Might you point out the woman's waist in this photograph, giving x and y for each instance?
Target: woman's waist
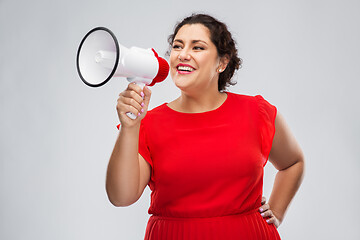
(245, 225)
(205, 218)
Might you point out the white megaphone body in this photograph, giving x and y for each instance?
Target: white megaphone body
(100, 57)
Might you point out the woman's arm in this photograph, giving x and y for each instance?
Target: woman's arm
(128, 173)
(287, 157)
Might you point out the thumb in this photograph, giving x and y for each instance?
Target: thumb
(147, 96)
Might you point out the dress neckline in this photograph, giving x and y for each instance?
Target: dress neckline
(200, 113)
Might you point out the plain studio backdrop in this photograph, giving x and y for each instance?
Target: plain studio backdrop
(57, 134)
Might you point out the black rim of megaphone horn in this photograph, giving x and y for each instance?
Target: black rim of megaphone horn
(116, 61)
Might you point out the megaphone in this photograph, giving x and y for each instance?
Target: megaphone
(100, 57)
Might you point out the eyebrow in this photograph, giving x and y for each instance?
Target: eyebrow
(193, 41)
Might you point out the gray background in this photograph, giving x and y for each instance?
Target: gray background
(57, 134)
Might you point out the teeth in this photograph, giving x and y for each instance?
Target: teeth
(185, 68)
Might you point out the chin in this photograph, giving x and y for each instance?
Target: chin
(179, 84)
(184, 82)
(188, 88)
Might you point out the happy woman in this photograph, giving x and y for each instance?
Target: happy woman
(203, 154)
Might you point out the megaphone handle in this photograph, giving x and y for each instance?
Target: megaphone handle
(130, 114)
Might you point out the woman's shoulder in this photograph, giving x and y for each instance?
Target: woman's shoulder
(243, 97)
(240, 96)
(252, 101)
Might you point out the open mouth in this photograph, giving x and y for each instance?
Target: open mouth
(185, 69)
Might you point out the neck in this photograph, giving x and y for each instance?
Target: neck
(200, 102)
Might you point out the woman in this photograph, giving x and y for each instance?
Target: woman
(203, 154)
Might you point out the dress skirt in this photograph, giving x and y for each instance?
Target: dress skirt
(246, 226)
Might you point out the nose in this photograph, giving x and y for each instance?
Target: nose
(184, 55)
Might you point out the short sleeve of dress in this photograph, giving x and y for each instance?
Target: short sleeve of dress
(143, 144)
(267, 114)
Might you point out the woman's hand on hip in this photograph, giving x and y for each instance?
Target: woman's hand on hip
(267, 214)
(134, 100)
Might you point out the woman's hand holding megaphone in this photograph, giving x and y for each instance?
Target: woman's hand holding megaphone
(134, 100)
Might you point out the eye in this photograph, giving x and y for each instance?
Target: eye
(198, 48)
(175, 46)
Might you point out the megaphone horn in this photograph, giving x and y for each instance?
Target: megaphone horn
(100, 57)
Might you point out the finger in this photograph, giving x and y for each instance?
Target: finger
(263, 200)
(273, 220)
(267, 213)
(147, 96)
(134, 87)
(124, 108)
(131, 102)
(132, 94)
(264, 208)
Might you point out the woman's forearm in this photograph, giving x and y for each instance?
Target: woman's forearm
(123, 174)
(287, 182)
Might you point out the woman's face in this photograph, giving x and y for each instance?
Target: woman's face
(194, 60)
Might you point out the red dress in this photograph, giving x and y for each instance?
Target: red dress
(207, 170)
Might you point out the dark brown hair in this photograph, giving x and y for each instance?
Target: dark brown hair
(222, 39)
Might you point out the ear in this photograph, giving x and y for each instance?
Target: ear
(224, 61)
